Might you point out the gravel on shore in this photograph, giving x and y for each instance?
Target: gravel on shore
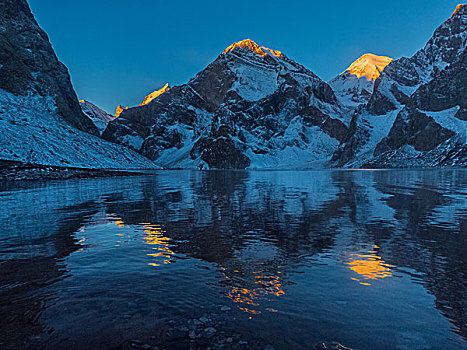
(19, 171)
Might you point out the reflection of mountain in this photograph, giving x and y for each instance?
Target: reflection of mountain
(26, 274)
(259, 228)
(222, 216)
(432, 237)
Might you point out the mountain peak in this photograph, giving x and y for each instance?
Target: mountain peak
(461, 9)
(155, 94)
(369, 66)
(250, 45)
(119, 110)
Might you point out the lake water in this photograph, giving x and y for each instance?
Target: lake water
(236, 260)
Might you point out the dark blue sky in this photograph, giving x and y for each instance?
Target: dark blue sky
(118, 51)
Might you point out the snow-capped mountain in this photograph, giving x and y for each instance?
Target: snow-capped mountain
(252, 107)
(355, 85)
(402, 78)
(416, 115)
(40, 118)
(99, 117)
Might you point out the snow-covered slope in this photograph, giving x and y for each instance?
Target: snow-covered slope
(97, 115)
(251, 108)
(31, 131)
(355, 85)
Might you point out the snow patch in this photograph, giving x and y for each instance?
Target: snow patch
(253, 84)
(447, 120)
(99, 118)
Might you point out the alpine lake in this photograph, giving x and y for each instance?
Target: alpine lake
(236, 260)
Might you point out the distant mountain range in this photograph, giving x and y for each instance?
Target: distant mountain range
(252, 107)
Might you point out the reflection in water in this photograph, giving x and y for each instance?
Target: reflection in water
(154, 236)
(248, 299)
(272, 248)
(119, 222)
(369, 266)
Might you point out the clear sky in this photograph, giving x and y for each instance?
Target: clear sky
(118, 51)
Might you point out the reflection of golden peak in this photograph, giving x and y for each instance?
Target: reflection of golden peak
(369, 66)
(249, 298)
(370, 266)
(119, 111)
(250, 44)
(155, 94)
(155, 236)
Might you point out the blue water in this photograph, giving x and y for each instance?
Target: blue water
(231, 259)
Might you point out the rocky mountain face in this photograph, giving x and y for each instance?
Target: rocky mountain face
(354, 86)
(416, 115)
(98, 117)
(41, 120)
(251, 108)
(28, 64)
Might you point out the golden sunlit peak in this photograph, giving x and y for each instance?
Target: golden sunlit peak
(254, 47)
(81, 101)
(369, 66)
(155, 94)
(458, 8)
(119, 111)
(248, 43)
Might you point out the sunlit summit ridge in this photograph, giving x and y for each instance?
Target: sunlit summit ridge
(155, 94)
(369, 66)
(254, 47)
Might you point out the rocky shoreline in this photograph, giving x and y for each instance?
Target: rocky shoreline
(19, 171)
(208, 332)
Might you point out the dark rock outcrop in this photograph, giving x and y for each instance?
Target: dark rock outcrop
(415, 129)
(448, 89)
